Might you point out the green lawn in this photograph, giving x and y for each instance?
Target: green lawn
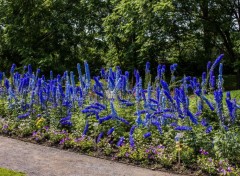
(7, 172)
(234, 94)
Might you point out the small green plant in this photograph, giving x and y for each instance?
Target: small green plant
(7, 172)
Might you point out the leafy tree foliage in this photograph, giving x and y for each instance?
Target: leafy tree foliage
(50, 33)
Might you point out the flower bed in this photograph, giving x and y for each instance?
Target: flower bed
(186, 124)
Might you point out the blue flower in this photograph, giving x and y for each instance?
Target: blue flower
(51, 75)
(80, 74)
(98, 83)
(167, 115)
(23, 116)
(12, 69)
(147, 135)
(174, 124)
(103, 74)
(123, 120)
(204, 122)
(192, 118)
(7, 84)
(132, 129)
(127, 74)
(173, 68)
(163, 69)
(101, 120)
(228, 95)
(209, 65)
(86, 128)
(87, 71)
(216, 62)
(204, 77)
(99, 137)
(120, 142)
(147, 70)
(209, 129)
(100, 105)
(110, 131)
(212, 80)
(165, 86)
(29, 69)
(183, 128)
(208, 103)
(66, 121)
(159, 74)
(158, 125)
(125, 102)
(131, 141)
(1, 76)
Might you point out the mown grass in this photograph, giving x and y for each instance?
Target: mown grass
(7, 172)
(234, 94)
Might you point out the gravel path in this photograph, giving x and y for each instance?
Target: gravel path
(36, 160)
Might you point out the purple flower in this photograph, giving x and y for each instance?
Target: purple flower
(229, 169)
(62, 141)
(203, 152)
(5, 126)
(34, 133)
(79, 139)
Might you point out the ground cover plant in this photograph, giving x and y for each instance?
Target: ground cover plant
(7, 172)
(161, 122)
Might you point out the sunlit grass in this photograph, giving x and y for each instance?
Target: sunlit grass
(7, 172)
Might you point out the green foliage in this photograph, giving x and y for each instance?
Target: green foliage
(126, 33)
(226, 145)
(7, 172)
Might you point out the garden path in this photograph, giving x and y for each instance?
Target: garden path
(36, 160)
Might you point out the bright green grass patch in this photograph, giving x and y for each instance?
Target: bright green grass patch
(7, 172)
(234, 94)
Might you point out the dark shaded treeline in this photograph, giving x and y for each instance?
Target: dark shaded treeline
(56, 35)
